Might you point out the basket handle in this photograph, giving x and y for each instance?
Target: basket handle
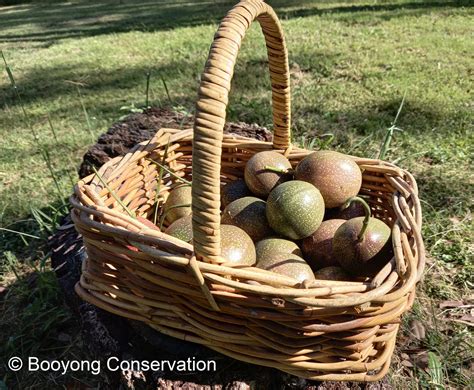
(211, 112)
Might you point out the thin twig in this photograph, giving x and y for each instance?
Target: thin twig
(147, 89)
(17, 94)
(170, 172)
(277, 170)
(71, 179)
(160, 178)
(86, 114)
(166, 89)
(47, 159)
(43, 151)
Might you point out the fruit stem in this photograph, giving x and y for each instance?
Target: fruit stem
(368, 213)
(276, 169)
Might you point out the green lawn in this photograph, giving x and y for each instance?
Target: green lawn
(83, 65)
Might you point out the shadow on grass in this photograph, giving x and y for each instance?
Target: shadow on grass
(58, 81)
(250, 97)
(448, 193)
(63, 80)
(36, 227)
(387, 10)
(415, 117)
(84, 18)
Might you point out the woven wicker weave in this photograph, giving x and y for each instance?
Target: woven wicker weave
(329, 330)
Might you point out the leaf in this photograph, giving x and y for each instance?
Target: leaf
(435, 370)
(407, 363)
(406, 360)
(455, 220)
(420, 360)
(418, 330)
(445, 304)
(468, 318)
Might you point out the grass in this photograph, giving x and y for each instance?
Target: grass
(77, 64)
(43, 327)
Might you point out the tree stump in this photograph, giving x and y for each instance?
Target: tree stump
(106, 335)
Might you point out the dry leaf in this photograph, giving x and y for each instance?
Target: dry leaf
(467, 318)
(418, 329)
(407, 363)
(455, 220)
(420, 360)
(446, 304)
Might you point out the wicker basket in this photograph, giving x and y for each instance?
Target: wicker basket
(328, 330)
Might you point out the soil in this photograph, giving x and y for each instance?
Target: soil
(105, 335)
